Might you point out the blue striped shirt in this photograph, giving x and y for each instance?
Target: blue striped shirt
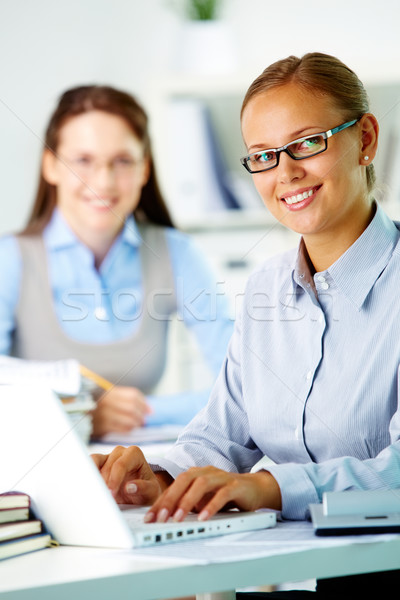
(311, 376)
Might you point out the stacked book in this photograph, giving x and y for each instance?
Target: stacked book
(20, 532)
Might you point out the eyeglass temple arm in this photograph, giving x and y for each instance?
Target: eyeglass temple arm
(340, 127)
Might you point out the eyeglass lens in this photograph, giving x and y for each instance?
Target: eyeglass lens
(303, 148)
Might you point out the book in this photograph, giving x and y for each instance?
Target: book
(8, 515)
(14, 506)
(14, 500)
(10, 531)
(24, 545)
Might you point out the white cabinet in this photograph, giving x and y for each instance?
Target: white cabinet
(184, 113)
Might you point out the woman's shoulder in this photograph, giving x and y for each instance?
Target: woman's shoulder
(175, 236)
(10, 257)
(9, 246)
(279, 265)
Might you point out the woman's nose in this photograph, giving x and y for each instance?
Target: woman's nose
(103, 176)
(289, 169)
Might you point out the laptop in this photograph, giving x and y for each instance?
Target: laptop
(357, 512)
(42, 456)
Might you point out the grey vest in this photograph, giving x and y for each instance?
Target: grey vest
(137, 360)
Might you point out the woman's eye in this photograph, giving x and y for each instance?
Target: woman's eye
(310, 143)
(83, 160)
(124, 161)
(263, 157)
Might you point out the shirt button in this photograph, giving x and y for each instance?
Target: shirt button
(297, 433)
(321, 319)
(309, 375)
(325, 286)
(100, 313)
(321, 278)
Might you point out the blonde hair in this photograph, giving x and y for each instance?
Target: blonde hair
(323, 74)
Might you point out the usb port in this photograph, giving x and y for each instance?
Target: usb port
(190, 531)
(201, 530)
(158, 538)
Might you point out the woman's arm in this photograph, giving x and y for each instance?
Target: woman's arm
(10, 279)
(202, 301)
(302, 485)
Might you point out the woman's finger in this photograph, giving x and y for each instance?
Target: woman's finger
(208, 485)
(139, 492)
(99, 459)
(168, 502)
(188, 490)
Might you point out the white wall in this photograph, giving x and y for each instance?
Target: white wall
(47, 46)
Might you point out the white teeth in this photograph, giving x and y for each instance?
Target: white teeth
(299, 197)
(101, 202)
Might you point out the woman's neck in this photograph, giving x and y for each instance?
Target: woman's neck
(99, 246)
(98, 242)
(324, 250)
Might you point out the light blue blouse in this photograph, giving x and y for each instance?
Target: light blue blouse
(311, 377)
(100, 306)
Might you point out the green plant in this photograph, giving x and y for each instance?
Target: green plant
(197, 10)
(202, 10)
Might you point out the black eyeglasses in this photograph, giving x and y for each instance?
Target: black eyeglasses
(304, 147)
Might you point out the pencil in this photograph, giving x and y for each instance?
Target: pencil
(98, 379)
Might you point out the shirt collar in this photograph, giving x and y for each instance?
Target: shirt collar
(356, 271)
(58, 233)
(302, 275)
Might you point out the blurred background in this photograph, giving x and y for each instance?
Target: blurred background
(148, 48)
(191, 77)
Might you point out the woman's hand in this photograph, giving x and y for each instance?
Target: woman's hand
(208, 490)
(119, 409)
(129, 477)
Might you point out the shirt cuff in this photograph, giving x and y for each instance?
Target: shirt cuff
(163, 464)
(297, 490)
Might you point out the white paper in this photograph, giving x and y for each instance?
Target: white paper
(144, 435)
(62, 376)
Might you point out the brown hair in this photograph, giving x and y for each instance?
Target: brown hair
(74, 102)
(320, 73)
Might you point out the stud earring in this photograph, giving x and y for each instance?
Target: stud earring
(366, 157)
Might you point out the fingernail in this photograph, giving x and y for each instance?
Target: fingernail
(178, 515)
(203, 516)
(131, 488)
(148, 517)
(162, 515)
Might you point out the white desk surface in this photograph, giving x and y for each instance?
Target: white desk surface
(75, 573)
(72, 572)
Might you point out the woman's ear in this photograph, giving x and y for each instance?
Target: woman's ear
(49, 167)
(369, 138)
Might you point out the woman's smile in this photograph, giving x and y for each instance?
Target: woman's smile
(300, 198)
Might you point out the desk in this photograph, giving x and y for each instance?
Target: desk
(84, 573)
